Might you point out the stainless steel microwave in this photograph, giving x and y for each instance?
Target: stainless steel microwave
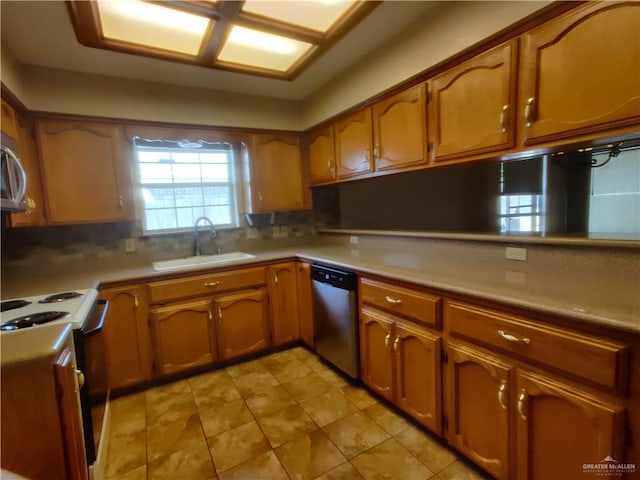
(14, 179)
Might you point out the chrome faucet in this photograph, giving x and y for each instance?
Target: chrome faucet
(196, 251)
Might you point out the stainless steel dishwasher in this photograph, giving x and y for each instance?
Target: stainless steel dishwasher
(336, 321)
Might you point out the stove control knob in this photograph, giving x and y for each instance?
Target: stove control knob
(80, 378)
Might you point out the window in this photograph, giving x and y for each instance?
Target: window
(181, 184)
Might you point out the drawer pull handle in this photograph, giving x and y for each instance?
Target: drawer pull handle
(395, 344)
(393, 301)
(521, 405)
(211, 284)
(501, 393)
(510, 338)
(386, 340)
(80, 376)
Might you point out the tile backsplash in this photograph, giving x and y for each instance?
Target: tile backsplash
(72, 243)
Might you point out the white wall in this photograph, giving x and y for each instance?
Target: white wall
(444, 30)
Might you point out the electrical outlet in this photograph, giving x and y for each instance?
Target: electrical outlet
(513, 253)
(252, 233)
(353, 240)
(284, 231)
(129, 245)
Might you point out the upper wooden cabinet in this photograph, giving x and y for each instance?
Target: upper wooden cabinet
(471, 106)
(320, 155)
(8, 120)
(580, 73)
(275, 175)
(283, 297)
(400, 130)
(127, 336)
(85, 170)
(353, 146)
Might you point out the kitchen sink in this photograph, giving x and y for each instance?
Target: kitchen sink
(201, 260)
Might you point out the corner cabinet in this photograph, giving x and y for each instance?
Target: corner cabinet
(580, 73)
(127, 336)
(283, 298)
(86, 172)
(471, 106)
(275, 178)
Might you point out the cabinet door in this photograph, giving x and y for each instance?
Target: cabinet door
(65, 375)
(376, 361)
(471, 106)
(305, 304)
(560, 428)
(322, 162)
(478, 399)
(85, 172)
(283, 294)
(353, 144)
(8, 120)
(183, 336)
(400, 130)
(276, 174)
(28, 153)
(418, 376)
(580, 72)
(127, 336)
(242, 323)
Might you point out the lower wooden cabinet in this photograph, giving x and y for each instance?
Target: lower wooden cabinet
(183, 336)
(305, 303)
(242, 322)
(283, 297)
(478, 394)
(127, 336)
(557, 428)
(401, 362)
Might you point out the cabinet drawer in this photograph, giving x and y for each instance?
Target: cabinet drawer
(417, 305)
(168, 290)
(595, 359)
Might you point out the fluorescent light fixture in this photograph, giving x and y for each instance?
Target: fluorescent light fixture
(264, 50)
(318, 15)
(152, 25)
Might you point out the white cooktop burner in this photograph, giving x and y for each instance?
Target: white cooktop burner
(79, 307)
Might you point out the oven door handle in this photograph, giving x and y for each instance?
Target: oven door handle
(96, 325)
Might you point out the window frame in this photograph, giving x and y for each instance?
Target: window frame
(174, 146)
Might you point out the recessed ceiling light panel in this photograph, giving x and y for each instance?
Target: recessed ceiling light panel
(246, 46)
(317, 15)
(152, 25)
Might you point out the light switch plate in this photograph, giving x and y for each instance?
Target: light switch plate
(353, 240)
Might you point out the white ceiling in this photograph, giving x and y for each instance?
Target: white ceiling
(39, 33)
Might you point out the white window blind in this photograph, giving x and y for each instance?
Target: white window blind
(181, 184)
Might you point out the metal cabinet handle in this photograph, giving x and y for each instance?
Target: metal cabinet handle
(275, 278)
(80, 376)
(219, 314)
(386, 340)
(510, 338)
(367, 155)
(522, 408)
(260, 196)
(212, 284)
(121, 202)
(396, 342)
(31, 205)
(210, 315)
(528, 111)
(329, 163)
(503, 118)
(393, 301)
(376, 152)
(501, 392)
(136, 303)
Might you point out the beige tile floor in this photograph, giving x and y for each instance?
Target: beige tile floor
(283, 416)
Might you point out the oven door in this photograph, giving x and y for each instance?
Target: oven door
(94, 394)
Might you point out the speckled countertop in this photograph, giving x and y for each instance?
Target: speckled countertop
(21, 347)
(579, 291)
